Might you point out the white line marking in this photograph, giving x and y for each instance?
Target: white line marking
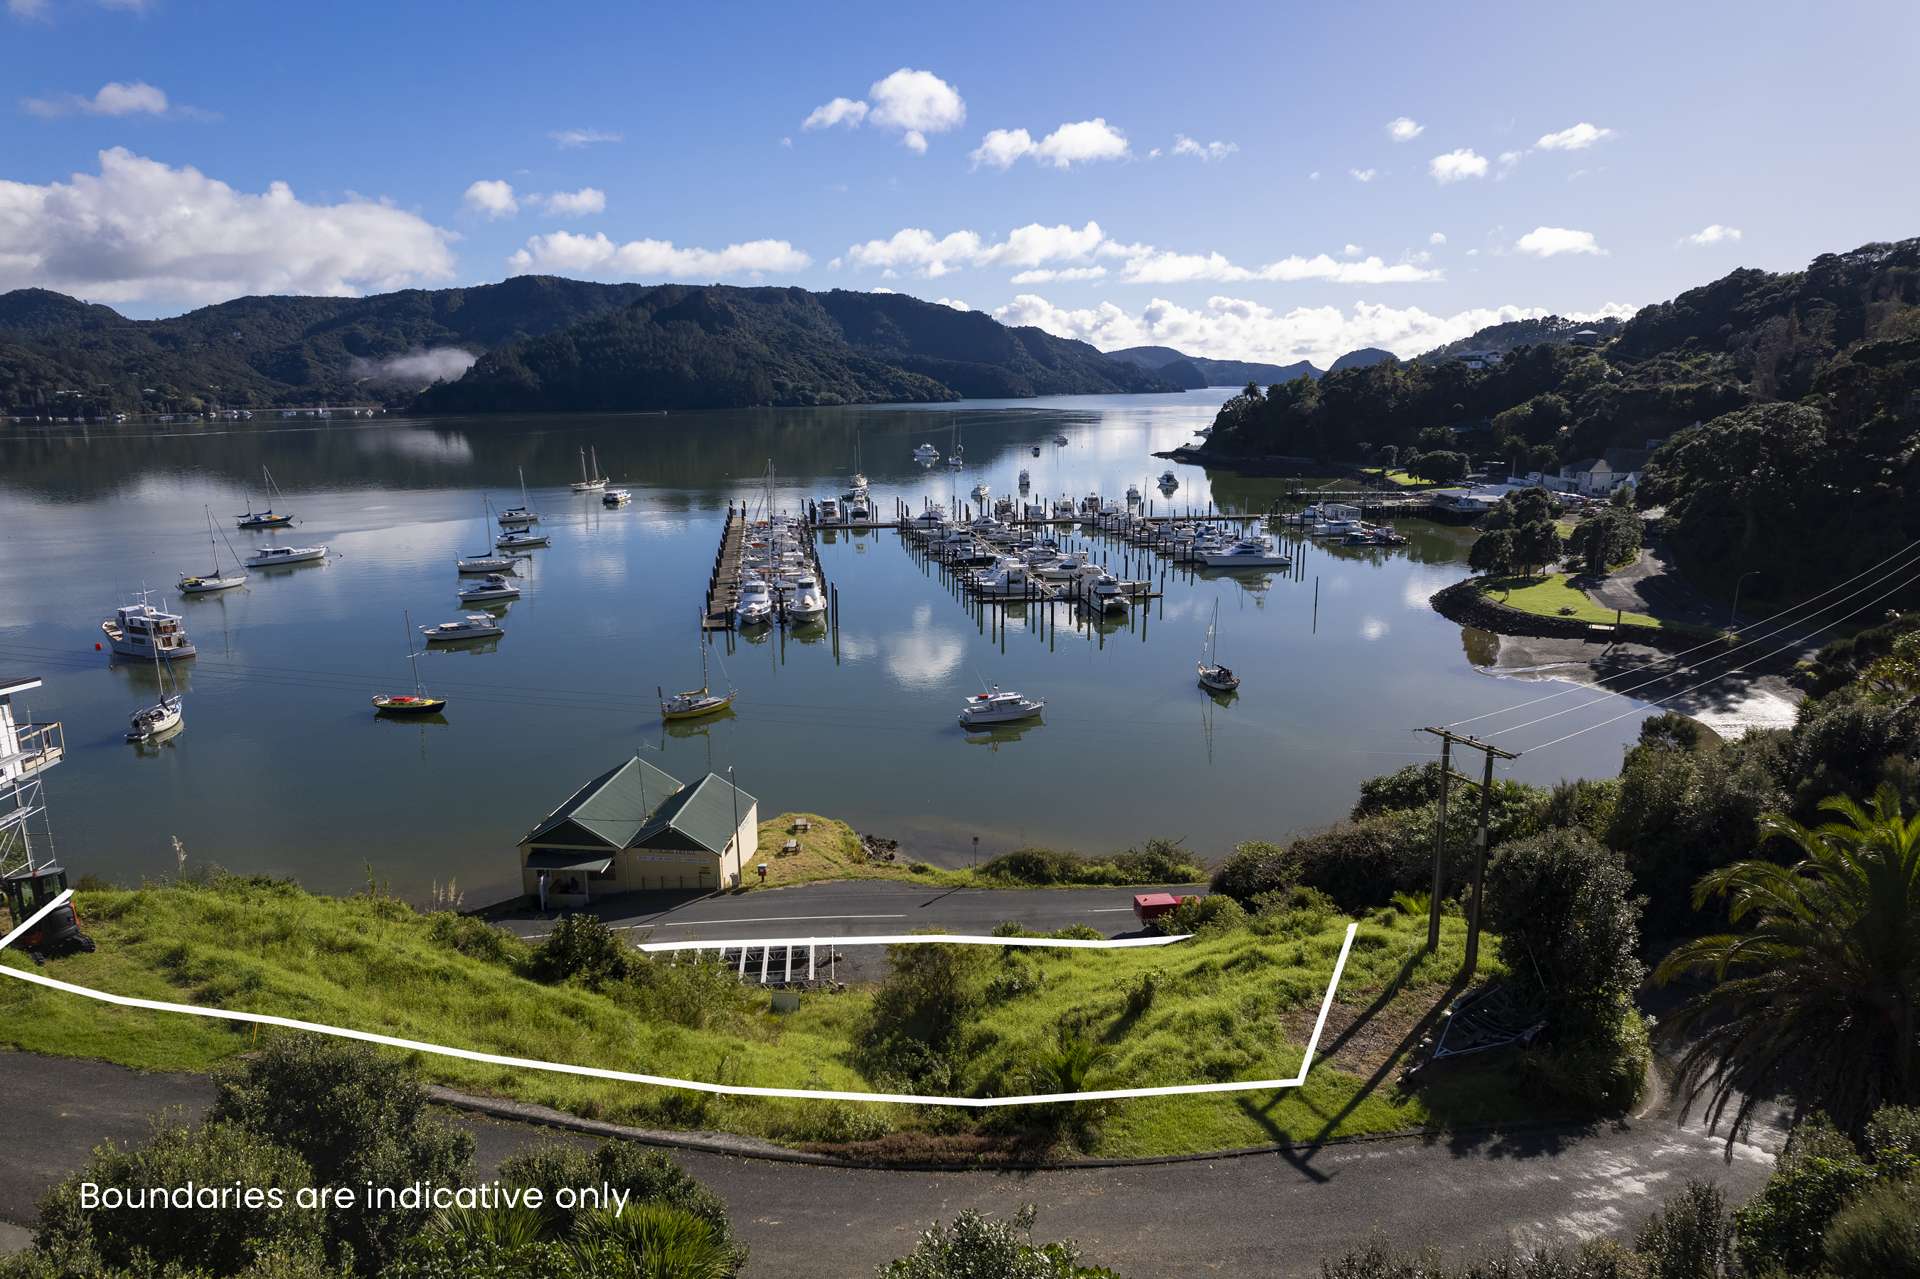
(915, 939)
(691, 1085)
(1106, 910)
(762, 919)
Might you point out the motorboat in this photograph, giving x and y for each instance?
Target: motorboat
(1009, 579)
(213, 579)
(143, 631)
(280, 556)
(829, 511)
(491, 587)
(265, 517)
(515, 539)
(1036, 450)
(1099, 590)
(804, 601)
(1214, 677)
(755, 605)
(419, 701)
(1246, 552)
(522, 515)
(1169, 481)
(1133, 494)
(926, 455)
(1064, 569)
(616, 497)
(982, 491)
(1026, 481)
(470, 627)
(590, 481)
(997, 707)
(1060, 439)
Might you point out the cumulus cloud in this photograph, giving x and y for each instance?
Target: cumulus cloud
(1715, 234)
(567, 252)
(111, 99)
(1456, 166)
(847, 111)
(1574, 138)
(1235, 328)
(1161, 266)
(1044, 275)
(1207, 151)
(140, 229)
(955, 303)
(1353, 250)
(1437, 238)
(1403, 129)
(423, 367)
(574, 138)
(575, 204)
(1361, 175)
(911, 103)
(1551, 241)
(492, 198)
(1078, 143)
(918, 250)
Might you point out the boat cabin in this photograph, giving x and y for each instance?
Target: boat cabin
(636, 828)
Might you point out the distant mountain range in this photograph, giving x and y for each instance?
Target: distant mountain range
(1190, 371)
(535, 342)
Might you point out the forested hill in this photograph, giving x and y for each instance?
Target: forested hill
(547, 343)
(1784, 410)
(1196, 371)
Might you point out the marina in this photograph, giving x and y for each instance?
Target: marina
(849, 713)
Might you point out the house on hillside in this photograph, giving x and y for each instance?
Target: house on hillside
(637, 827)
(1478, 359)
(1600, 476)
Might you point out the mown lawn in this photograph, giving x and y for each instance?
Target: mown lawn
(831, 850)
(1548, 595)
(1237, 1004)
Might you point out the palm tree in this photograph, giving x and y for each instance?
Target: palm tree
(1820, 997)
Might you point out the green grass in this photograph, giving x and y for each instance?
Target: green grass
(1401, 479)
(1548, 595)
(831, 850)
(1234, 1005)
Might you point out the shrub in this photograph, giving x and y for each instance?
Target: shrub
(1878, 1234)
(695, 992)
(353, 1115)
(1363, 863)
(650, 1176)
(1213, 913)
(580, 948)
(920, 1011)
(211, 1241)
(476, 939)
(1690, 1237)
(974, 1247)
(1253, 868)
(1161, 861)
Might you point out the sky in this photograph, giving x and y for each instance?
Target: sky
(1260, 181)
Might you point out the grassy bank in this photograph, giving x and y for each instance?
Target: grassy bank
(1551, 595)
(1234, 1004)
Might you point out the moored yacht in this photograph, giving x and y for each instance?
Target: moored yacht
(491, 587)
(470, 627)
(616, 497)
(1246, 552)
(279, 556)
(804, 601)
(755, 605)
(590, 480)
(143, 631)
(926, 455)
(514, 539)
(996, 707)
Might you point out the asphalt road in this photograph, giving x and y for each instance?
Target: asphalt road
(1268, 1215)
(852, 908)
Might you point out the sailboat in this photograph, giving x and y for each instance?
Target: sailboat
(163, 719)
(697, 702)
(956, 456)
(522, 515)
(211, 580)
(484, 560)
(590, 481)
(858, 483)
(265, 518)
(1214, 677)
(419, 701)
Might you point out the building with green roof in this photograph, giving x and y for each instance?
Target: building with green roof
(635, 828)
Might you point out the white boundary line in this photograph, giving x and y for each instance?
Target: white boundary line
(692, 1085)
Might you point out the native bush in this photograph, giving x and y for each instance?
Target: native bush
(649, 1176)
(920, 1012)
(476, 939)
(1878, 1233)
(976, 1247)
(1255, 867)
(580, 948)
(1690, 1237)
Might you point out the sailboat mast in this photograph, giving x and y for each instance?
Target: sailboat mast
(413, 658)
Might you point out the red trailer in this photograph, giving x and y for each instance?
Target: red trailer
(1148, 907)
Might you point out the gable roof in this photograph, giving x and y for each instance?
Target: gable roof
(702, 814)
(612, 809)
(1624, 460)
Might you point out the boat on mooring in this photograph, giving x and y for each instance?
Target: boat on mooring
(590, 481)
(616, 497)
(419, 701)
(213, 579)
(143, 631)
(520, 539)
(472, 626)
(696, 702)
(266, 517)
(997, 707)
(926, 455)
(281, 556)
(522, 515)
(156, 723)
(1214, 677)
(489, 588)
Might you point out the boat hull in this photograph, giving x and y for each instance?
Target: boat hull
(711, 706)
(489, 564)
(305, 555)
(265, 521)
(985, 719)
(208, 585)
(384, 705)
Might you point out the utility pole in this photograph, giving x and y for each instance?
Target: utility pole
(1490, 752)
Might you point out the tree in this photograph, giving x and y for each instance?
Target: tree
(1535, 545)
(1608, 536)
(1819, 996)
(1492, 552)
(1441, 465)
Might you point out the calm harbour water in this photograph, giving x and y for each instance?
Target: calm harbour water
(283, 768)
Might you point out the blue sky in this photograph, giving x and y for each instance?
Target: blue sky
(1570, 158)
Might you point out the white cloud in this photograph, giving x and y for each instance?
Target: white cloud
(572, 138)
(1314, 176)
(1507, 160)
(112, 99)
(1208, 151)
(1551, 241)
(27, 8)
(787, 143)
(847, 111)
(1402, 129)
(1044, 275)
(418, 368)
(1455, 166)
(1361, 175)
(1353, 250)
(565, 251)
(1437, 238)
(1034, 245)
(140, 229)
(1575, 138)
(1235, 328)
(575, 204)
(1715, 234)
(1077, 143)
(492, 198)
(1160, 266)
(955, 303)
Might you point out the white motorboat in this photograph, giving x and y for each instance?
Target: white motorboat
(470, 627)
(1026, 481)
(491, 587)
(616, 497)
(1009, 579)
(516, 539)
(212, 580)
(1099, 590)
(1064, 569)
(1214, 677)
(755, 605)
(926, 455)
(143, 631)
(996, 707)
(590, 481)
(804, 601)
(1246, 552)
(981, 491)
(522, 515)
(829, 511)
(280, 556)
